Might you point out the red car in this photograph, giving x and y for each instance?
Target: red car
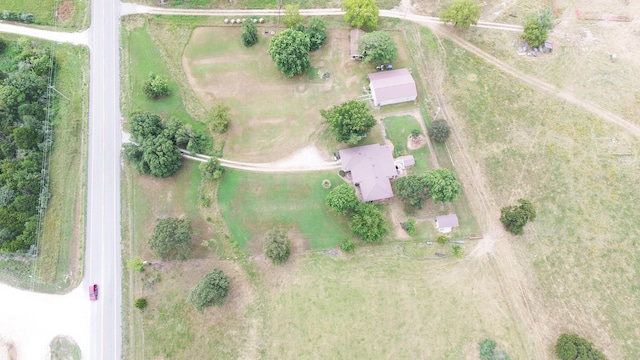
(93, 292)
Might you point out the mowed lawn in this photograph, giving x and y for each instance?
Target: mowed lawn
(144, 58)
(398, 129)
(72, 13)
(253, 203)
(271, 115)
(582, 176)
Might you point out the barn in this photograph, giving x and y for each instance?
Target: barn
(392, 87)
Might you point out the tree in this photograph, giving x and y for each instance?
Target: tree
(156, 87)
(378, 46)
(534, 33)
(409, 226)
(144, 126)
(140, 303)
(219, 118)
(161, 157)
(457, 251)
(367, 223)
(292, 16)
(136, 264)
(317, 33)
(290, 51)
(342, 198)
(461, 13)
(347, 245)
(515, 217)
(249, 34)
(11, 96)
(277, 246)
(349, 121)
(443, 185)
(439, 130)
(545, 18)
(26, 138)
(412, 190)
(572, 347)
(361, 14)
(194, 141)
(170, 239)
(212, 289)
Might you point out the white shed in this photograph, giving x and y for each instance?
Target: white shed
(446, 223)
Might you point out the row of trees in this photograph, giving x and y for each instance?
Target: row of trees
(440, 184)
(290, 48)
(365, 219)
(25, 136)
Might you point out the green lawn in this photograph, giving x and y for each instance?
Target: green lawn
(398, 130)
(260, 4)
(44, 11)
(143, 59)
(252, 203)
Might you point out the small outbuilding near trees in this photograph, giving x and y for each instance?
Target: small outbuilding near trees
(446, 223)
(392, 87)
(354, 36)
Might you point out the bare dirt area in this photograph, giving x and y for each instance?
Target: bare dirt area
(7, 350)
(64, 11)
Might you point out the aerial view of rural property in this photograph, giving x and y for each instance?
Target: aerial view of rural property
(320, 179)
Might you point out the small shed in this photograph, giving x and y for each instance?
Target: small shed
(547, 47)
(392, 87)
(446, 223)
(353, 44)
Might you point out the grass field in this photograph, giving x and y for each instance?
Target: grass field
(253, 203)
(581, 248)
(60, 262)
(260, 4)
(73, 14)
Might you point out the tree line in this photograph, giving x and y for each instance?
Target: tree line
(24, 138)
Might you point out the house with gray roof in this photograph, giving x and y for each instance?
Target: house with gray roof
(372, 168)
(392, 87)
(445, 223)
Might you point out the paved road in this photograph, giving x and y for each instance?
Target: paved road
(103, 260)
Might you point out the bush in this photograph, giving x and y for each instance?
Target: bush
(457, 251)
(442, 239)
(136, 264)
(249, 34)
(409, 226)
(367, 223)
(415, 133)
(277, 246)
(140, 303)
(211, 169)
(212, 289)
(572, 347)
(156, 87)
(515, 217)
(219, 119)
(347, 246)
(439, 131)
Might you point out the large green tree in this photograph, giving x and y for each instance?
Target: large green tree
(439, 130)
(170, 239)
(443, 185)
(317, 32)
(161, 157)
(534, 32)
(461, 13)
(361, 14)
(342, 198)
(378, 46)
(515, 217)
(277, 246)
(290, 51)
(412, 190)
(144, 126)
(367, 223)
(349, 121)
(212, 289)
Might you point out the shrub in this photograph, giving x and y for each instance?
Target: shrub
(409, 226)
(572, 346)
(342, 199)
(277, 246)
(515, 217)
(140, 303)
(136, 264)
(457, 250)
(212, 289)
(249, 34)
(415, 133)
(219, 118)
(211, 169)
(439, 131)
(442, 239)
(367, 223)
(347, 246)
(156, 87)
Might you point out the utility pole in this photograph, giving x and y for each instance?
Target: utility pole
(56, 90)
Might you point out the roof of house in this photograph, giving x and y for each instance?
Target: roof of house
(408, 160)
(353, 41)
(446, 221)
(393, 84)
(371, 167)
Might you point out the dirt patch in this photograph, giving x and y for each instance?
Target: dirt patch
(7, 350)
(64, 11)
(416, 143)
